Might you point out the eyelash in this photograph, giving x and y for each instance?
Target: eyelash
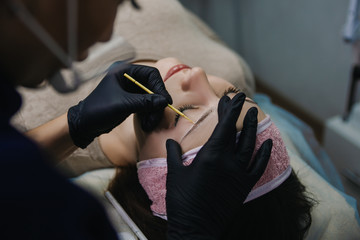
(182, 109)
(236, 90)
(231, 90)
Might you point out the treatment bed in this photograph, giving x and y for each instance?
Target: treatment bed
(164, 28)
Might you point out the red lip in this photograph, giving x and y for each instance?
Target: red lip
(175, 69)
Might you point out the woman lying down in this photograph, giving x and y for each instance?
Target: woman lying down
(277, 207)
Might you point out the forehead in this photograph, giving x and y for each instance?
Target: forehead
(198, 135)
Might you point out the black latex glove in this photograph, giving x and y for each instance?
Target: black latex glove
(204, 197)
(114, 99)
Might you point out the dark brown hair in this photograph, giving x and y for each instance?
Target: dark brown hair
(283, 213)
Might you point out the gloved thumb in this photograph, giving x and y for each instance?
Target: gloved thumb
(151, 112)
(174, 153)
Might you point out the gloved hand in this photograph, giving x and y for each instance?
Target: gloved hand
(114, 99)
(203, 198)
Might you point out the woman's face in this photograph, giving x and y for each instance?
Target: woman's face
(196, 95)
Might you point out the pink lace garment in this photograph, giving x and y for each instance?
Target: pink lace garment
(152, 172)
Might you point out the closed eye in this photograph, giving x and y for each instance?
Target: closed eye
(182, 109)
(231, 90)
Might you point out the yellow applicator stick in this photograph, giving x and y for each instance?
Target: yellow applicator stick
(150, 92)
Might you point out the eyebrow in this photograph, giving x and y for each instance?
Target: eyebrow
(197, 123)
(204, 116)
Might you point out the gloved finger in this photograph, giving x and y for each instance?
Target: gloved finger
(146, 102)
(225, 130)
(246, 143)
(174, 153)
(258, 166)
(222, 105)
(230, 108)
(150, 120)
(150, 77)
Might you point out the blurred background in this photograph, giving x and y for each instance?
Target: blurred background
(299, 58)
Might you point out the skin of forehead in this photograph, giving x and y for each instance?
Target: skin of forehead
(202, 120)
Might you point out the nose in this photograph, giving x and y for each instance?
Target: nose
(194, 80)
